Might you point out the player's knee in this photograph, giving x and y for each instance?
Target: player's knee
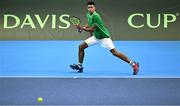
(114, 52)
(81, 47)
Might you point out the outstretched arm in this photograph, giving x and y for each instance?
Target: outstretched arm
(87, 28)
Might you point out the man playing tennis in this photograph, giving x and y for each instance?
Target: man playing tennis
(99, 35)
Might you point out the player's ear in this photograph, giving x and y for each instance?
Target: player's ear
(94, 6)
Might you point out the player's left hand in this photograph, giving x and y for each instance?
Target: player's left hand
(79, 27)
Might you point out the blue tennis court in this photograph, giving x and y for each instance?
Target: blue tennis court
(52, 58)
(41, 69)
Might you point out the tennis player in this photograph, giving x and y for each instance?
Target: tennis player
(100, 35)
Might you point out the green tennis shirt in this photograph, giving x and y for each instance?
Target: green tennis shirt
(100, 31)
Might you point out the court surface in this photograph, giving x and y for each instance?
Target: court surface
(32, 69)
(52, 59)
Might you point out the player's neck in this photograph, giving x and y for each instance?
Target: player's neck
(92, 12)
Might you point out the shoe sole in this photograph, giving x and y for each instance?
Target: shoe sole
(72, 67)
(137, 70)
(79, 71)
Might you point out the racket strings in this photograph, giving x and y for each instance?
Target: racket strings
(75, 20)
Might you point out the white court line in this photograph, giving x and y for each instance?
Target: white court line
(90, 76)
(89, 105)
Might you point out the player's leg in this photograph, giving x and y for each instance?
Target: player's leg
(81, 53)
(120, 55)
(107, 43)
(78, 67)
(134, 64)
(87, 43)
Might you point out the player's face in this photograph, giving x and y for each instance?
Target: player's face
(91, 8)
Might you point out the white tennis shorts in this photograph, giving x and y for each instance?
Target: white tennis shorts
(105, 42)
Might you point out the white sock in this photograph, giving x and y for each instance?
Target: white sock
(132, 63)
(80, 64)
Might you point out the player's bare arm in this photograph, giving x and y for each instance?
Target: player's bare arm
(86, 28)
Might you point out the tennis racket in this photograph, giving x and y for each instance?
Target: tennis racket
(75, 21)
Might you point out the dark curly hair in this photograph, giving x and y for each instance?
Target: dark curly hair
(91, 3)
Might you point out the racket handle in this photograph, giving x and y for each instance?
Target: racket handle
(80, 31)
